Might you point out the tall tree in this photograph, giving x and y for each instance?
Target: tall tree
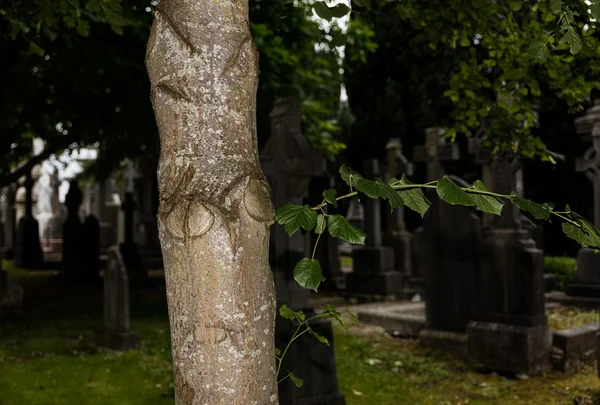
(215, 209)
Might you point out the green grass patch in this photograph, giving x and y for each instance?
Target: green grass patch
(48, 356)
(563, 317)
(563, 267)
(399, 372)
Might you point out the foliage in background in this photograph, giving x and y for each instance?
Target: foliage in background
(563, 267)
(75, 77)
(476, 65)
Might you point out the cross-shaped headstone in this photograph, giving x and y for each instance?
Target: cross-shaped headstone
(128, 207)
(397, 165)
(435, 152)
(289, 164)
(590, 165)
(502, 175)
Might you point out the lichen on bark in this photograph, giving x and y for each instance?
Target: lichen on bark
(215, 208)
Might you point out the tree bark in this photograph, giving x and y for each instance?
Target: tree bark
(215, 208)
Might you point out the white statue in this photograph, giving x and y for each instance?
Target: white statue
(44, 202)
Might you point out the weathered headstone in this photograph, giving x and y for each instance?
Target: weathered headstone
(449, 253)
(373, 265)
(8, 218)
(509, 329)
(146, 224)
(90, 248)
(587, 278)
(396, 235)
(289, 164)
(28, 251)
(129, 248)
(52, 237)
(72, 241)
(117, 334)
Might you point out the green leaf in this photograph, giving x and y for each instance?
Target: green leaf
(321, 224)
(297, 381)
(575, 233)
(331, 312)
(93, 6)
(449, 192)
(83, 28)
(320, 338)
(308, 273)
(414, 198)
(349, 176)
(595, 9)
(353, 317)
(322, 10)
(556, 6)
(329, 196)
(572, 38)
(277, 353)
(338, 39)
(550, 28)
(340, 228)
(379, 189)
(328, 13)
(293, 217)
(36, 49)
(300, 315)
(485, 203)
(586, 234)
(535, 210)
(287, 312)
(340, 10)
(539, 51)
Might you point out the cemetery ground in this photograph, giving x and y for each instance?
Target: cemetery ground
(48, 356)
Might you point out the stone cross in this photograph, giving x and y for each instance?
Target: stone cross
(587, 278)
(435, 152)
(128, 207)
(396, 235)
(289, 164)
(72, 242)
(372, 207)
(501, 175)
(590, 165)
(117, 328)
(28, 250)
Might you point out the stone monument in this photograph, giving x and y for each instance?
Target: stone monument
(289, 164)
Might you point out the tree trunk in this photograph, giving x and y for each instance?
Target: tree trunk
(215, 208)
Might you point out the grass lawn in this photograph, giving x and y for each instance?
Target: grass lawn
(48, 357)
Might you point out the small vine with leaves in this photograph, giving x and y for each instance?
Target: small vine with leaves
(399, 193)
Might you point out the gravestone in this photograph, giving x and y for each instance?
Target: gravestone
(587, 278)
(449, 253)
(90, 252)
(373, 265)
(72, 257)
(129, 248)
(289, 164)
(396, 235)
(355, 215)
(146, 224)
(509, 329)
(8, 218)
(117, 333)
(28, 250)
(53, 236)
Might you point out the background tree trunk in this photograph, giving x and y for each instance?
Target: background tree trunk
(215, 208)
